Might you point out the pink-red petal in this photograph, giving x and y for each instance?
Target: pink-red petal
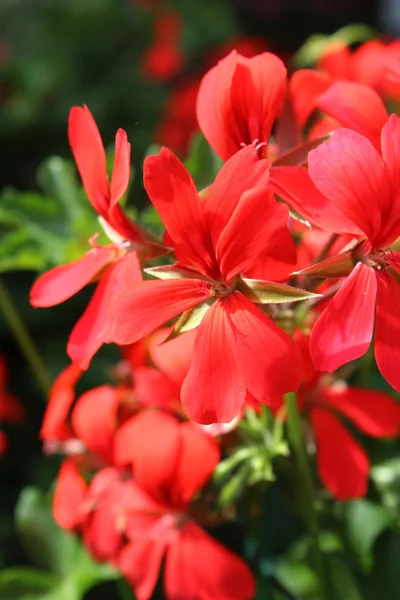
(268, 360)
(387, 331)
(69, 495)
(92, 329)
(213, 391)
(372, 412)
(349, 171)
(197, 566)
(138, 311)
(88, 150)
(357, 107)
(344, 330)
(342, 464)
(60, 283)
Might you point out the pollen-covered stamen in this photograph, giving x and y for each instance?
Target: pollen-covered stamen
(381, 259)
(220, 290)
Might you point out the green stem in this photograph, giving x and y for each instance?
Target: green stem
(24, 339)
(306, 490)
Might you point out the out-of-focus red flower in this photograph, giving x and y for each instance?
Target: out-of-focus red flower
(112, 264)
(171, 462)
(364, 185)
(11, 409)
(343, 465)
(163, 60)
(237, 229)
(372, 64)
(178, 122)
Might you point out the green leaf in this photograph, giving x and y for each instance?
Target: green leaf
(23, 583)
(44, 541)
(57, 177)
(266, 292)
(386, 476)
(365, 522)
(203, 164)
(343, 584)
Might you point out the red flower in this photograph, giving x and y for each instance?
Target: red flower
(238, 103)
(114, 263)
(11, 409)
(237, 229)
(364, 185)
(164, 58)
(371, 64)
(343, 465)
(171, 462)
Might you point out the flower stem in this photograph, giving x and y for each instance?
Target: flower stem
(24, 339)
(307, 491)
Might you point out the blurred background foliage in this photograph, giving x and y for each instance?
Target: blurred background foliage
(116, 57)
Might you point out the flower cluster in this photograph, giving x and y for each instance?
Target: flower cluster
(277, 274)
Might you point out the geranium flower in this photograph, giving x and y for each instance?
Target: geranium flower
(342, 463)
(239, 101)
(172, 462)
(364, 185)
(371, 64)
(110, 264)
(11, 409)
(238, 229)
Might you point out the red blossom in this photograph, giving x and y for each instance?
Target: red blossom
(160, 525)
(238, 229)
(342, 463)
(364, 185)
(111, 264)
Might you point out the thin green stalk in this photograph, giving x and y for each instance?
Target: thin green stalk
(24, 339)
(306, 490)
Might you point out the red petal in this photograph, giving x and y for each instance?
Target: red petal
(94, 420)
(121, 170)
(11, 409)
(172, 358)
(246, 235)
(336, 60)
(173, 193)
(91, 331)
(239, 174)
(151, 442)
(258, 91)
(197, 566)
(342, 464)
(305, 87)
(214, 107)
(344, 330)
(387, 347)
(87, 148)
(357, 107)
(294, 186)
(350, 173)
(199, 455)
(61, 398)
(279, 257)
(69, 494)
(268, 359)
(153, 388)
(391, 157)
(372, 412)
(138, 311)
(213, 391)
(140, 563)
(60, 283)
